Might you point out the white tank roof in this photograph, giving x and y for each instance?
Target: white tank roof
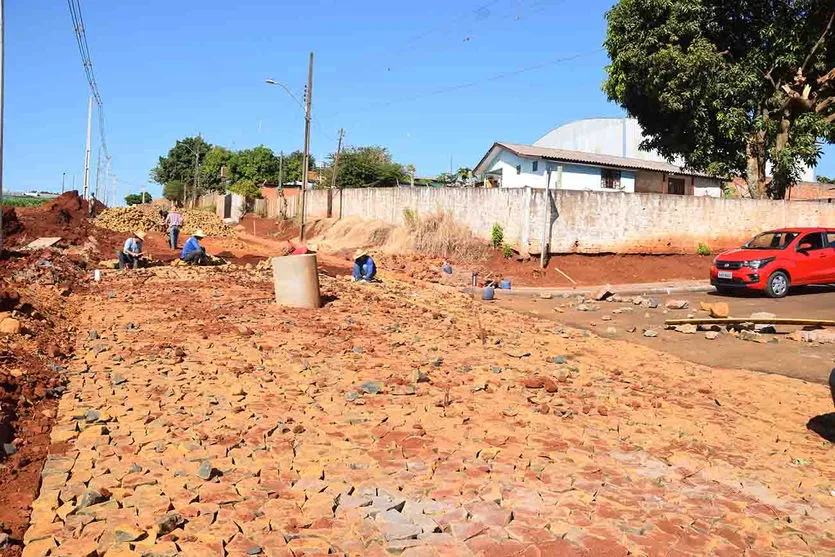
(620, 137)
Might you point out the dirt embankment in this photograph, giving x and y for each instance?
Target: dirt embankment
(38, 291)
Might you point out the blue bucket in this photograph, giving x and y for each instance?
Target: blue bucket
(488, 293)
(504, 284)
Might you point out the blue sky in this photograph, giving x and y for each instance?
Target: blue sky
(389, 73)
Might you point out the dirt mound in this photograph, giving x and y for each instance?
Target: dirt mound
(11, 224)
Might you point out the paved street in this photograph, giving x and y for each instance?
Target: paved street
(203, 420)
(812, 362)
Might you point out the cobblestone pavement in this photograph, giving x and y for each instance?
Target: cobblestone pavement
(202, 420)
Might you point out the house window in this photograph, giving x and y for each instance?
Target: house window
(518, 169)
(609, 179)
(534, 166)
(675, 186)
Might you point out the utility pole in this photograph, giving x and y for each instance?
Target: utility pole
(63, 180)
(2, 36)
(106, 179)
(336, 160)
(281, 171)
(87, 151)
(98, 172)
(307, 101)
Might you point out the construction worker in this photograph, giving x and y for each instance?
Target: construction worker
(364, 267)
(131, 252)
(193, 253)
(174, 222)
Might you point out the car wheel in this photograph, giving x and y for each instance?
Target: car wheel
(777, 285)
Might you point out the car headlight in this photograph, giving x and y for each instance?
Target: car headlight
(757, 263)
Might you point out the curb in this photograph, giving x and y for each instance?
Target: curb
(622, 290)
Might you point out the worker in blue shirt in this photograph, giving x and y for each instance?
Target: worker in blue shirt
(193, 253)
(131, 252)
(364, 267)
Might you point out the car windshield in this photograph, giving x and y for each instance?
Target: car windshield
(771, 240)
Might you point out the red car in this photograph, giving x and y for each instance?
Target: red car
(777, 260)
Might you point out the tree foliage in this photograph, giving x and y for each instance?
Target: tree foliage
(364, 167)
(728, 86)
(826, 180)
(179, 165)
(138, 198)
(247, 188)
(210, 171)
(174, 190)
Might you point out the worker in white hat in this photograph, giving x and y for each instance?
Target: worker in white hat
(364, 267)
(193, 253)
(131, 252)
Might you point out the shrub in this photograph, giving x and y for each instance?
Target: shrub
(507, 251)
(703, 249)
(497, 235)
(410, 218)
(439, 235)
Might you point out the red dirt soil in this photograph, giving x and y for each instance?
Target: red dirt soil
(37, 289)
(598, 269)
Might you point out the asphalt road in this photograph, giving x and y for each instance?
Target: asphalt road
(785, 357)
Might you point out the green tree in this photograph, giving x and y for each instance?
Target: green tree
(446, 178)
(174, 190)
(180, 165)
(826, 180)
(258, 165)
(247, 188)
(727, 86)
(138, 198)
(294, 163)
(210, 171)
(363, 167)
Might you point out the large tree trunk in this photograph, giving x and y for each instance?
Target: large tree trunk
(783, 178)
(755, 165)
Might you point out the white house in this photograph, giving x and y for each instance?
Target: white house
(510, 165)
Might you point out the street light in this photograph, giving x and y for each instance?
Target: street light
(305, 162)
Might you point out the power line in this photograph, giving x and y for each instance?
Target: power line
(87, 61)
(460, 86)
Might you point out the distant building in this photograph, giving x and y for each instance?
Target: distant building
(510, 165)
(36, 194)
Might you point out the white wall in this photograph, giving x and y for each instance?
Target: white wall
(709, 187)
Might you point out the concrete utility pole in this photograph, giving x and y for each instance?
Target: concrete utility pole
(336, 160)
(63, 180)
(2, 35)
(98, 173)
(87, 151)
(308, 99)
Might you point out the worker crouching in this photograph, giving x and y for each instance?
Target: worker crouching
(364, 267)
(131, 252)
(193, 253)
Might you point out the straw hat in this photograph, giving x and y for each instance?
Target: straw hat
(359, 253)
(139, 234)
(199, 233)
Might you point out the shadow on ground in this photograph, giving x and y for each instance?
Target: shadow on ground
(823, 425)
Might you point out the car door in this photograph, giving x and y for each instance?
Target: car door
(811, 259)
(829, 261)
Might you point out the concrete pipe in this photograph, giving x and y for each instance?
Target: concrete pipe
(296, 281)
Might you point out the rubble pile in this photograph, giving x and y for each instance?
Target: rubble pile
(147, 217)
